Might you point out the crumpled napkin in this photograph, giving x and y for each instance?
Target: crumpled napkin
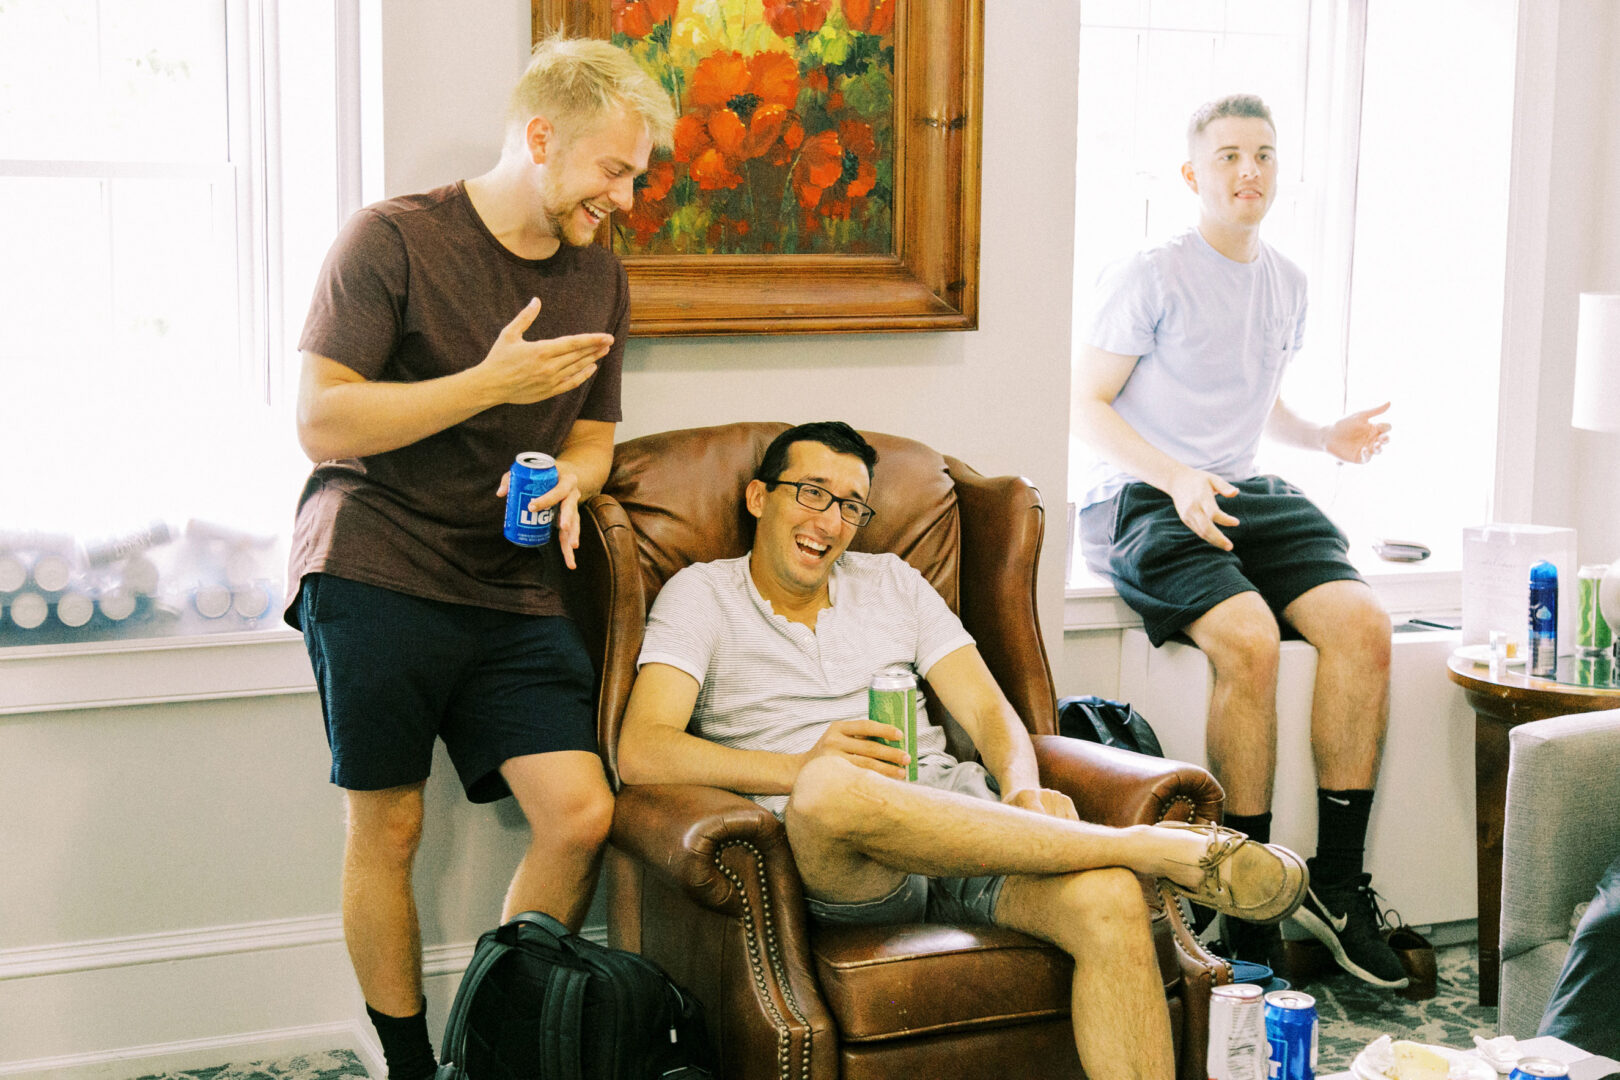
(1379, 1057)
(1500, 1053)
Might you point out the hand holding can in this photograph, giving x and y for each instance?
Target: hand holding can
(892, 700)
(533, 474)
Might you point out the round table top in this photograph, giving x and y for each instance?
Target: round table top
(1578, 677)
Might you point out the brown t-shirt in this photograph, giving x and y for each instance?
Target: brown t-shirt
(415, 288)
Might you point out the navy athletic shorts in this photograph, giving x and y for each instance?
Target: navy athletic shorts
(396, 671)
(1283, 547)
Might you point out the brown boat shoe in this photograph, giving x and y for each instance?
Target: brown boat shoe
(1259, 883)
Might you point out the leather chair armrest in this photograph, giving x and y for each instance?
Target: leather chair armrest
(607, 599)
(678, 830)
(1116, 787)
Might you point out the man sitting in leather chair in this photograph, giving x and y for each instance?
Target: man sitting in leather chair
(753, 676)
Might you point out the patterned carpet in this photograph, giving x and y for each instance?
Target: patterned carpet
(1352, 1015)
(324, 1065)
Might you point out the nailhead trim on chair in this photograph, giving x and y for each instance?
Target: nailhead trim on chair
(784, 1036)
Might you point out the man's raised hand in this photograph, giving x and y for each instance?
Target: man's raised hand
(520, 372)
(1357, 437)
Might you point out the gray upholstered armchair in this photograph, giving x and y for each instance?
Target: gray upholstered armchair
(1562, 832)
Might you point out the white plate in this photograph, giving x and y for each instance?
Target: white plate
(1481, 654)
(1475, 1066)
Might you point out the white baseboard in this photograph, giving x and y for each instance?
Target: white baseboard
(99, 953)
(90, 1010)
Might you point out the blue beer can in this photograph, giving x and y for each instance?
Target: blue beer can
(1544, 619)
(1291, 1034)
(1538, 1068)
(533, 474)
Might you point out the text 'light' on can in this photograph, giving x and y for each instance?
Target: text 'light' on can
(533, 474)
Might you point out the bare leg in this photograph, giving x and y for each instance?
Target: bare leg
(566, 799)
(1350, 709)
(843, 819)
(1240, 638)
(379, 910)
(1100, 918)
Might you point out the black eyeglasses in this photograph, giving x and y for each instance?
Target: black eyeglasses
(817, 497)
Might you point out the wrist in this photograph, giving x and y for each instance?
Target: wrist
(474, 389)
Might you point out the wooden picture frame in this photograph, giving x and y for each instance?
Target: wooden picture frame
(930, 282)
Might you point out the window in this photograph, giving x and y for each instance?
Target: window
(1394, 126)
(150, 465)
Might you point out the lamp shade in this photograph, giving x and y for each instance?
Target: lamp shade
(1597, 363)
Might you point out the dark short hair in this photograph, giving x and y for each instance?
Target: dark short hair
(1248, 105)
(835, 435)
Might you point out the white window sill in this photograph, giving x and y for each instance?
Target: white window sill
(148, 671)
(1407, 590)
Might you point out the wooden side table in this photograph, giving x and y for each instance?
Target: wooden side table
(1500, 703)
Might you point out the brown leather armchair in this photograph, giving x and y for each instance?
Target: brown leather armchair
(701, 880)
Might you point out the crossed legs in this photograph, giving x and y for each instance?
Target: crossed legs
(569, 808)
(856, 835)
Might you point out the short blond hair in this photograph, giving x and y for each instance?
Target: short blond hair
(575, 81)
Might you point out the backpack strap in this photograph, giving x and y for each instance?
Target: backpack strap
(543, 921)
(455, 1031)
(561, 1018)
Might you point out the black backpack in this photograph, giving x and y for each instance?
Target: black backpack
(540, 1003)
(1112, 723)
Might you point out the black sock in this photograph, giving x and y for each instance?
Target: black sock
(1255, 826)
(1341, 835)
(405, 1044)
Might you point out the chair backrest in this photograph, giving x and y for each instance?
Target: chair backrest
(681, 497)
(683, 492)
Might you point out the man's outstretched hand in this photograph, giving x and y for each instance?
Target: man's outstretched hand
(1357, 437)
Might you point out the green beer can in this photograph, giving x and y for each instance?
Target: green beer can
(892, 700)
(1592, 634)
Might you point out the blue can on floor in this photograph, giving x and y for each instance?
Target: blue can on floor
(1291, 1032)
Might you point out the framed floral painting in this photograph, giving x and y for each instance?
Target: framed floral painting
(824, 173)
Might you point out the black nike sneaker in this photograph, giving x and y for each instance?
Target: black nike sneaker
(1346, 918)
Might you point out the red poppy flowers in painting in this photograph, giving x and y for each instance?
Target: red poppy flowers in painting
(785, 138)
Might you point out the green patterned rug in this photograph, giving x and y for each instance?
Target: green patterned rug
(324, 1065)
(1352, 1015)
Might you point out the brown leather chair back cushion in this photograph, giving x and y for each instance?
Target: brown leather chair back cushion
(683, 492)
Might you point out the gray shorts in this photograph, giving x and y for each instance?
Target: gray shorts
(920, 898)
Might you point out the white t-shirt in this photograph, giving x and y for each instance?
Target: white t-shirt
(1213, 337)
(768, 683)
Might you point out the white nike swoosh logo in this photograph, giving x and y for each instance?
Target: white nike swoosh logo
(1339, 923)
(1338, 802)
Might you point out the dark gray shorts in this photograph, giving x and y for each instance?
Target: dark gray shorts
(1283, 547)
(920, 898)
(395, 672)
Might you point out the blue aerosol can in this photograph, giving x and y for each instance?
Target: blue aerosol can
(1544, 619)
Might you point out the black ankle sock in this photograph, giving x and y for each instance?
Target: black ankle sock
(1341, 834)
(1254, 826)
(405, 1044)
